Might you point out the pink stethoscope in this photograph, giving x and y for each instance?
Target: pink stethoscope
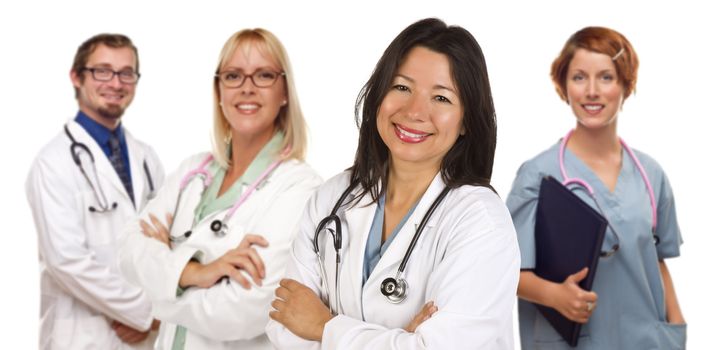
(567, 181)
(219, 227)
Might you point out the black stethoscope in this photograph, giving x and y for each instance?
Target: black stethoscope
(103, 203)
(393, 288)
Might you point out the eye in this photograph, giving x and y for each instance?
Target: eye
(230, 76)
(265, 75)
(578, 77)
(443, 99)
(608, 77)
(400, 87)
(128, 73)
(103, 70)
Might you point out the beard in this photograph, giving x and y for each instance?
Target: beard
(112, 112)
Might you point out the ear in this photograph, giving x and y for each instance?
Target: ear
(76, 79)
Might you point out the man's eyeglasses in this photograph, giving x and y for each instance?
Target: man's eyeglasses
(126, 76)
(261, 78)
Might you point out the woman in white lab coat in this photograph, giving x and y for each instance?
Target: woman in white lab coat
(231, 215)
(427, 125)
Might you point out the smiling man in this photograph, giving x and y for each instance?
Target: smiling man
(85, 185)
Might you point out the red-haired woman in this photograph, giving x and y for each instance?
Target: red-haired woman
(633, 303)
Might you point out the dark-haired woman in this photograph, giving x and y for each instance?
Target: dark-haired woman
(428, 255)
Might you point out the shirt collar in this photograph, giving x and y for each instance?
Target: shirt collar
(98, 132)
(264, 158)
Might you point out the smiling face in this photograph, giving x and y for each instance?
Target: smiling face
(106, 101)
(251, 111)
(593, 90)
(421, 116)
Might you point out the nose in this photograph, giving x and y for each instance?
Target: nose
(416, 107)
(115, 81)
(593, 89)
(247, 87)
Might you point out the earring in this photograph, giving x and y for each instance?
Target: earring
(284, 102)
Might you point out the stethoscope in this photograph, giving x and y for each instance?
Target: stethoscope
(567, 181)
(218, 227)
(393, 288)
(103, 203)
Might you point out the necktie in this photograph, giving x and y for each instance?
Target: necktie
(118, 164)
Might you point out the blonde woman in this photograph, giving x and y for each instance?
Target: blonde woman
(211, 248)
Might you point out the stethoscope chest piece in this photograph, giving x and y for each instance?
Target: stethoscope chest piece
(394, 289)
(219, 228)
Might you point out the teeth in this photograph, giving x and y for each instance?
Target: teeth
(410, 134)
(247, 107)
(593, 107)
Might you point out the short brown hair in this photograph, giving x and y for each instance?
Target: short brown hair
(601, 40)
(84, 51)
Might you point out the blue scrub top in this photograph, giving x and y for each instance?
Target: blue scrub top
(631, 305)
(374, 248)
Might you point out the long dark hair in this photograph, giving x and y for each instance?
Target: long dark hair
(470, 160)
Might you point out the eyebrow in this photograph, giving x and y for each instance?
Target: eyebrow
(238, 69)
(437, 86)
(108, 65)
(608, 70)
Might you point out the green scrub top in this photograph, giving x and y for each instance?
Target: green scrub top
(210, 203)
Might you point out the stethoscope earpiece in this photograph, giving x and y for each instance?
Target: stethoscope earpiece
(394, 289)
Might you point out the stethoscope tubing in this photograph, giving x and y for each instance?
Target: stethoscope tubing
(566, 180)
(103, 203)
(398, 285)
(219, 227)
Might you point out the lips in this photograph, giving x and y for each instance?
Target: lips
(409, 135)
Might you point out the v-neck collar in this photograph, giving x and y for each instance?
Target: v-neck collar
(584, 171)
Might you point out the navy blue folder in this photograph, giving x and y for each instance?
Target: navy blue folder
(568, 237)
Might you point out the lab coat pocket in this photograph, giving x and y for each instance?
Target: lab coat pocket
(98, 225)
(672, 336)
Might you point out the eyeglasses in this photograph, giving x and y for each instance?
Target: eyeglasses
(261, 78)
(126, 76)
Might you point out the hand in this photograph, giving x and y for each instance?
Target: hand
(244, 257)
(300, 310)
(158, 231)
(572, 301)
(127, 334)
(426, 312)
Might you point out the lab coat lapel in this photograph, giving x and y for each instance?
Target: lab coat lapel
(395, 252)
(358, 220)
(106, 172)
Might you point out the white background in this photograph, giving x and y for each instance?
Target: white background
(675, 115)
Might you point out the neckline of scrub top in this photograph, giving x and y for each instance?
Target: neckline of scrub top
(374, 248)
(211, 203)
(591, 177)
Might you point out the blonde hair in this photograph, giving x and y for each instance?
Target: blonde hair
(290, 120)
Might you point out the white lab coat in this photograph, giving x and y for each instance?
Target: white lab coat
(466, 261)
(225, 316)
(82, 290)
